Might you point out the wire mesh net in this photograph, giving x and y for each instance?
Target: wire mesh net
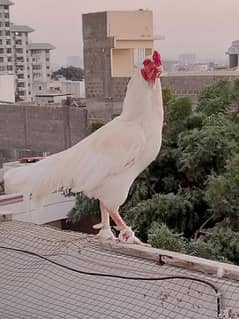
(46, 273)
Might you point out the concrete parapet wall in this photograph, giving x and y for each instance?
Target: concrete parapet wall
(40, 129)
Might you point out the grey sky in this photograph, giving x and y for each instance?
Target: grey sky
(205, 27)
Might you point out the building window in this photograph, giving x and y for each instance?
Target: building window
(9, 59)
(36, 67)
(36, 52)
(139, 56)
(9, 50)
(20, 68)
(7, 33)
(7, 24)
(8, 42)
(19, 59)
(6, 15)
(19, 50)
(9, 68)
(19, 42)
(1, 50)
(20, 76)
(1, 59)
(21, 85)
(6, 7)
(0, 41)
(36, 76)
(18, 33)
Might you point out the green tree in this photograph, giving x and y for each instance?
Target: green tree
(174, 210)
(161, 236)
(70, 73)
(83, 206)
(216, 98)
(222, 193)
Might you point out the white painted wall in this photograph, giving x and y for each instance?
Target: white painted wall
(56, 207)
(7, 88)
(137, 24)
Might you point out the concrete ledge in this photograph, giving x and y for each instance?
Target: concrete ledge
(175, 259)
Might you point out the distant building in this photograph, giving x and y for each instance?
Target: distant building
(51, 98)
(40, 60)
(233, 53)
(6, 54)
(28, 62)
(114, 42)
(40, 65)
(75, 88)
(187, 59)
(22, 61)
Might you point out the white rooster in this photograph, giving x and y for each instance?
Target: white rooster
(105, 164)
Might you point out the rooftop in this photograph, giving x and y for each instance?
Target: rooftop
(41, 46)
(48, 273)
(6, 2)
(223, 72)
(52, 94)
(21, 28)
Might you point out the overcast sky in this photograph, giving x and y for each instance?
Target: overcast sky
(204, 27)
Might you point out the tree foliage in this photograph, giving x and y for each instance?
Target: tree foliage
(187, 200)
(69, 73)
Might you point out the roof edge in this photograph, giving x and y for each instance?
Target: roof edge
(6, 3)
(188, 262)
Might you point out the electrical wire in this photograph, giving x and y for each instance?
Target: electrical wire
(218, 295)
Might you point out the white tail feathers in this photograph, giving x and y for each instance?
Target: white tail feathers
(37, 180)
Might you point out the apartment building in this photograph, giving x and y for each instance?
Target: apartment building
(28, 62)
(21, 61)
(41, 66)
(6, 57)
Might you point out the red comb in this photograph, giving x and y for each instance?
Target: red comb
(150, 71)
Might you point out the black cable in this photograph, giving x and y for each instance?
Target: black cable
(122, 277)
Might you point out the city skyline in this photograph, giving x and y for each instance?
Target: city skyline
(188, 26)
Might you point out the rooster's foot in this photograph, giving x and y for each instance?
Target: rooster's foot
(98, 226)
(105, 234)
(127, 236)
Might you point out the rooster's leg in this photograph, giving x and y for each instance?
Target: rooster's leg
(126, 234)
(105, 232)
(120, 223)
(105, 218)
